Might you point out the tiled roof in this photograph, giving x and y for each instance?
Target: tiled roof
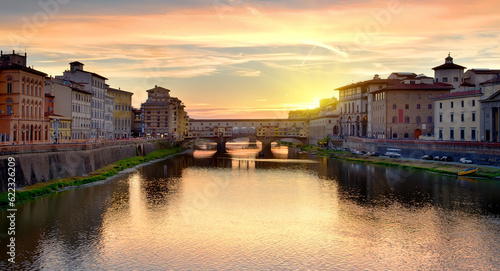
(448, 66)
(460, 94)
(416, 87)
(485, 71)
(13, 66)
(119, 90)
(367, 82)
(496, 79)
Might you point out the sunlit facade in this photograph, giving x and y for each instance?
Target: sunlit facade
(22, 118)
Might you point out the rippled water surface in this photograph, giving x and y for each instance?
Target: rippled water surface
(220, 213)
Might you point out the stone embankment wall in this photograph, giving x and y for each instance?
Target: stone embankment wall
(40, 163)
(481, 153)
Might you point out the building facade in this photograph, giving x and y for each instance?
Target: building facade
(137, 126)
(22, 118)
(96, 85)
(77, 110)
(405, 109)
(160, 113)
(355, 106)
(490, 108)
(457, 116)
(122, 113)
(109, 102)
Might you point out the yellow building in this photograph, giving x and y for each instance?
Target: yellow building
(122, 112)
(61, 125)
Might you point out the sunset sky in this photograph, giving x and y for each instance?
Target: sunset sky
(248, 58)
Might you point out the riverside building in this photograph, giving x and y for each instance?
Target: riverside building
(96, 85)
(122, 113)
(22, 118)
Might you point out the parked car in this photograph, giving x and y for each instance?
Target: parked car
(436, 158)
(426, 157)
(393, 154)
(445, 159)
(374, 153)
(465, 161)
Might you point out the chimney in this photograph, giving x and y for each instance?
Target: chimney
(376, 77)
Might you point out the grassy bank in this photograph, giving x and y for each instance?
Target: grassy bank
(438, 167)
(49, 187)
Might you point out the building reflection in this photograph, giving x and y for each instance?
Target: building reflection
(379, 185)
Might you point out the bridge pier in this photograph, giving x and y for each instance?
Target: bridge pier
(221, 145)
(266, 147)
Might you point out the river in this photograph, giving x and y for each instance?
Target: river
(239, 213)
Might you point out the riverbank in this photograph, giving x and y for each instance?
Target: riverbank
(53, 186)
(414, 164)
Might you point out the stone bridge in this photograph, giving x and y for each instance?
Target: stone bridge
(263, 130)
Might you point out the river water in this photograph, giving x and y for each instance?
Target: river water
(239, 213)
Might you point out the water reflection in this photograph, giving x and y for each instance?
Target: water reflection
(193, 213)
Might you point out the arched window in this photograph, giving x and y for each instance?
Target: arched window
(407, 135)
(429, 119)
(418, 119)
(429, 106)
(394, 119)
(395, 135)
(418, 106)
(407, 106)
(407, 119)
(394, 106)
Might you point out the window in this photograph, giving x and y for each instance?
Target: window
(451, 104)
(440, 133)
(419, 96)
(429, 119)
(455, 79)
(440, 105)
(9, 109)
(473, 133)
(407, 96)
(440, 117)
(430, 96)
(407, 106)
(474, 116)
(394, 106)
(445, 79)
(451, 117)
(462, 117)
(462, 103)
(473, 102)
(462, 133)
(452, 134)
(406, 135)
(394, 119)
(418, 106)
(407, 119)
(429, 106)
(9, 87)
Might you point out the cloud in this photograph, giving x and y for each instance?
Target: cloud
(247, 73)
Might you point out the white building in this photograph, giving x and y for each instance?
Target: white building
(108, 117)
(79, 109)
(458, 115)
(95, 84)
